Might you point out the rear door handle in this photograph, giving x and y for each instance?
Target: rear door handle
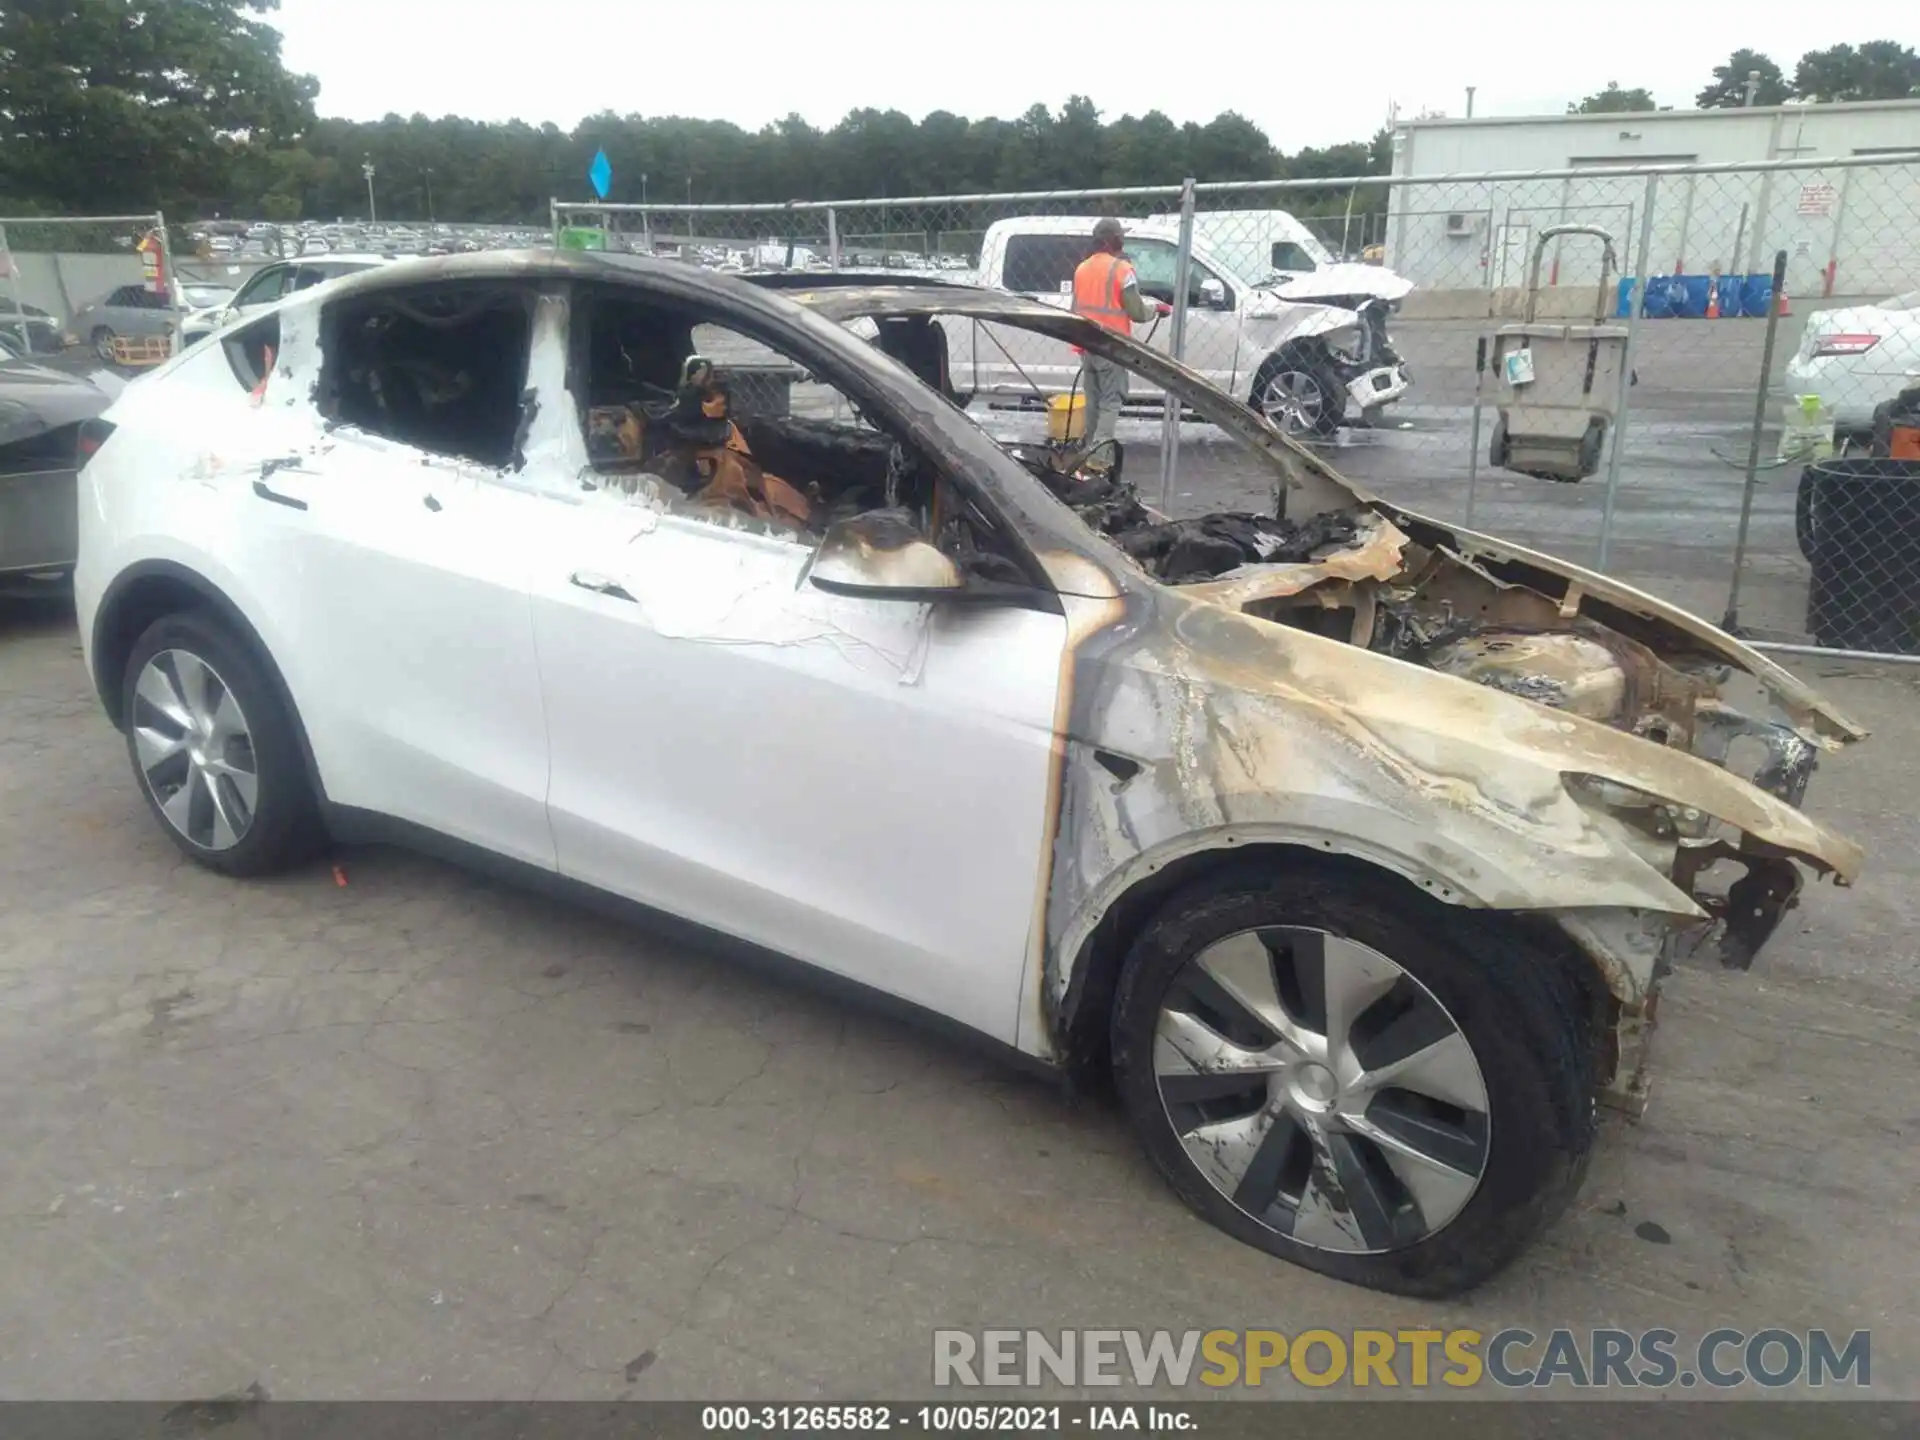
(601, 585)
(292, 502)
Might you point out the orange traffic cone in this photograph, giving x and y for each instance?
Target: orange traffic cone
(1785, 308)
(1713, 298)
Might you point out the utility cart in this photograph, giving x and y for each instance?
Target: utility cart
(1559, 384)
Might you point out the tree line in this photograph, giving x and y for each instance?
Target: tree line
(111, 106)
(1877, 70)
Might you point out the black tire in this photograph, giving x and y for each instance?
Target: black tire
(1527, 1005)
(1497, 447)
(102, 340)
(1803, 532)
(284, 828)
(1302, 360)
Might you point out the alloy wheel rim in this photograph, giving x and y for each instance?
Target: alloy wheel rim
(103, 343)
(195, 750)
(1322, 1089)
(1294, 400)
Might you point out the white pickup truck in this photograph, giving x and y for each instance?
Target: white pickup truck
(1303, 366)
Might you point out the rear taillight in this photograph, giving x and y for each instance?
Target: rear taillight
(93, 434)
(1844, 344)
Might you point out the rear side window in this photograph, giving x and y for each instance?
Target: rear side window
(442, 367)
(1289, 256)
(1044, 264)
(251, 350)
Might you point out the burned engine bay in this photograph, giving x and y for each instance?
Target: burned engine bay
(1356, 576)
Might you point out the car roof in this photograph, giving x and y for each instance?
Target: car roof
(847, 301)
(832, 296)
(1082, 225)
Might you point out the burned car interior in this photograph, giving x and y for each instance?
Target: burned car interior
(699, 416)
(443, 369)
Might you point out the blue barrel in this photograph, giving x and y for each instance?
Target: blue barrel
(1756, 294)
(1659, 302)
(1623, 299)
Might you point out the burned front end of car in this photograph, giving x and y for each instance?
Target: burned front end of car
(1333, 678)
(1623, 771)
(1606, 762)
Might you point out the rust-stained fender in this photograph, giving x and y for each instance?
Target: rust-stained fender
(1248, 732)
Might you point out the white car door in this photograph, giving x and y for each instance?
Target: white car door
(862, 783)
(393, 554)
(1212, 342)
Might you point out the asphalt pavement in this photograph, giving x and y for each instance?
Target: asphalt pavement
(390, 1130)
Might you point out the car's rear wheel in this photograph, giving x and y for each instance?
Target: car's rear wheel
(1300, 394)
(102, 340)
(1332, 1066)
(215, 749)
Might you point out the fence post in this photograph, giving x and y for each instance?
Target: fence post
(13, 288)
(1832, 267)
(553, 221)
(1636, 296)
(1732, 617)
(833, 238)
(1177, 345)
(1473, 442)
(172, 282)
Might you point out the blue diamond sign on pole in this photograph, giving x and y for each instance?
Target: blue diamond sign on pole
(600, 173)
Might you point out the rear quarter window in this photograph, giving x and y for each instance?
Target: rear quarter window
(1043, 264)
(251, 350)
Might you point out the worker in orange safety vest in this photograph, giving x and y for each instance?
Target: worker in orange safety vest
(1107, 292)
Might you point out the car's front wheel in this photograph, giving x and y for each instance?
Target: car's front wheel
(215, 749)
(1299, 392)
(1332, 1066)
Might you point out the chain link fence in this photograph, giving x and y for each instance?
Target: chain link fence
(1594, 362)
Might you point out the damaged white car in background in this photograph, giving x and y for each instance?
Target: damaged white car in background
(1354, 847)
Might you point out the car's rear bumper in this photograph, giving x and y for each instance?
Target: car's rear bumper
(1848, 392)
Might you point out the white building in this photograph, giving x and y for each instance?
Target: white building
(1846, 231)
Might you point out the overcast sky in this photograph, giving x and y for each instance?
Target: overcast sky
(1303, 72)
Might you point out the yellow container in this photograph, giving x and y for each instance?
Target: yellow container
(1066, 416)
